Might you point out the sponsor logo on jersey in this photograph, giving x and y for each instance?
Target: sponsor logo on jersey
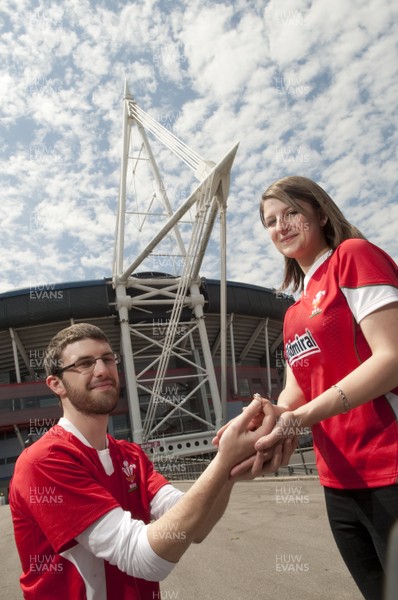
(302, 346)
(129, 471)
(316, 302)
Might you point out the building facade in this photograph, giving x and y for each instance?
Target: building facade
(30, 317)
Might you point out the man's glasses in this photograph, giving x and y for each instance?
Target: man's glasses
(87, 364)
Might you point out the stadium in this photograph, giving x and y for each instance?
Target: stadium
(30, 317)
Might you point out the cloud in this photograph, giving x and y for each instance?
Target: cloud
(305, 89)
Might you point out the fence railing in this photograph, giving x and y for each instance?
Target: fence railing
(190, 468)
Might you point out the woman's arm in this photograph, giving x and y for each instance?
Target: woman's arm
(291, 396)
(374, 377)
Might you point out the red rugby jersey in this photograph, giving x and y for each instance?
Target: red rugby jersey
(59, 489)
(323, 344)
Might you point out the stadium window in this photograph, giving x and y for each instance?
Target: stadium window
(48, 401)
(244, 387)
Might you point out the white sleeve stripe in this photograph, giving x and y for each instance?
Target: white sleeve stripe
(91, 570)
(365, 300)
(158, 568)
(166, 497)
(123, 541)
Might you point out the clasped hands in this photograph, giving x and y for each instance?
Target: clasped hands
(266, 435)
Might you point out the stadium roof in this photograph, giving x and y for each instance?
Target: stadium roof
(36, 314)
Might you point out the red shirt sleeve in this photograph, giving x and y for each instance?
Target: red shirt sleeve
(360, 263)
(58, 490)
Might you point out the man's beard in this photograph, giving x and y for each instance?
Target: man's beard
(93, 401)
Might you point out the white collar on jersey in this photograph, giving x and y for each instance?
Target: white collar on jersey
(104, 455)
(319, 261)
(68, 426)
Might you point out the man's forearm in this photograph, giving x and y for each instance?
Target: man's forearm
(214, 515)
(172, 534)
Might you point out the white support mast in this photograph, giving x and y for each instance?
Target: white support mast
(171, 385)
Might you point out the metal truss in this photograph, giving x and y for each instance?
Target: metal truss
(174, 400)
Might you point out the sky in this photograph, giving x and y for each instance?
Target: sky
(307, 87)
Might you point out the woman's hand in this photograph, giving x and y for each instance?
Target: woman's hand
(287, 426)
(263, 463)
(270, 458)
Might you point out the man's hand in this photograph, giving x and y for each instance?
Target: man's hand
(269, 411)
(274, 448)
(236, 441)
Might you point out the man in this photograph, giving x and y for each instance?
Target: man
(92, 519)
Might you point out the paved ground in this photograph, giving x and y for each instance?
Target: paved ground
(273, 543)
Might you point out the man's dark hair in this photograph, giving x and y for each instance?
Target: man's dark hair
(69, 335)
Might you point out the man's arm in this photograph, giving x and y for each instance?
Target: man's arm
(150, 551)
(168, 496)
(171, 535)
(218, 509)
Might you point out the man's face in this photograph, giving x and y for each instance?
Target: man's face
(95, 392)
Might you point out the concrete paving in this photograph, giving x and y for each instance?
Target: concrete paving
(273, 543)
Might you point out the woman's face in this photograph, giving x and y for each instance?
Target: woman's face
(297, 235)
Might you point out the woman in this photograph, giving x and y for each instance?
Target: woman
(341, 341)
